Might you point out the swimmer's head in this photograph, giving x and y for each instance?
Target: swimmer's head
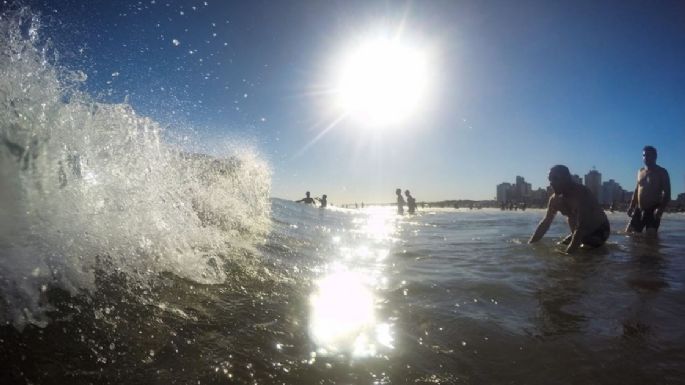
(406, 192)
(559, 178)
(307, 194)
(398, 191)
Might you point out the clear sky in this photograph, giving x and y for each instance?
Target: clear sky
(514, 86)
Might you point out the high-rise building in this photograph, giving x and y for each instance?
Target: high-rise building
(504, 192)
(539, 196)
(576, 178)
(593, 181)
(612, 192)
(522, 189)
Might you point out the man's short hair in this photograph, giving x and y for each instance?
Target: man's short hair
(560, 170)
(649, 149)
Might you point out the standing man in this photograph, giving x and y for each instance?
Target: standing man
(400, 201)
(586, 219)
(323, 200)
(651, 196)
(411, 202)
(307, 199)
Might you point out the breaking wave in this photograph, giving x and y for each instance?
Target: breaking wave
(83, 182)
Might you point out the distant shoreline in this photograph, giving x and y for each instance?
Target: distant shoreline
(674, 206)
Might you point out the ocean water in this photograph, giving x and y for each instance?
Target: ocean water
(125, 259)
(364, 296)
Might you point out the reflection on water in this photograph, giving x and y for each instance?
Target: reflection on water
(343, 308)
(378, 225)
(343, 316)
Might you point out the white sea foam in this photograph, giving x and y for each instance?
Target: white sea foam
(82, 181)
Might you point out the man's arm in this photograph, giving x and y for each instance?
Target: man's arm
(544, 224)
(633, 199)
(633, 202)
(666, 197)
(575, 241)
(579, 232)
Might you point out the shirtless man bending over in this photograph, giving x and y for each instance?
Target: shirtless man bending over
(652, 194)
(588, 222)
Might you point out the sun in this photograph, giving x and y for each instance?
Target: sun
(382, 82)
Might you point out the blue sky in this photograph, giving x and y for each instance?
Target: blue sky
(518, 87)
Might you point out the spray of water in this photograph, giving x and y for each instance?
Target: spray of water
(82, 181)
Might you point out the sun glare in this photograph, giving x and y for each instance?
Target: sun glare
(382, 82)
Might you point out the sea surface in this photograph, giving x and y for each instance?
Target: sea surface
(337, 296)
(126, 258)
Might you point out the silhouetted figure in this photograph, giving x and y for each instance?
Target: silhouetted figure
(411, 202)
(307, 199)
(362, 204)
(586, 219)
(400, 201)
(323, 201)
(651, 196)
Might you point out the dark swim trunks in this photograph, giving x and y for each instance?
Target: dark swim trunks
(644, 218)
(598, 237)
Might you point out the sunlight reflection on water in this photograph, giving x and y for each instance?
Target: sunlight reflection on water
(343, 308)
(379, 225)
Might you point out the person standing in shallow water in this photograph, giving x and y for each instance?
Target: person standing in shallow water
(588, 223)
(651, 196)
(400, 201)
(307, 199)
(323, 201)
(411, 202)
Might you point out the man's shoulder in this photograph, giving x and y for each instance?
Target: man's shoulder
(578, 188)
(660, 169)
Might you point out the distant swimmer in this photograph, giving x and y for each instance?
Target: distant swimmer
(588, 222)
(400, 201)
(308, 200)
(411, 202)
(651, 196)
(323, 201)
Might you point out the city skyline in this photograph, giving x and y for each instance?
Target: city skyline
(607, 192)
(498, 88)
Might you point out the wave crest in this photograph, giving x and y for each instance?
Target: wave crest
(82, 180)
